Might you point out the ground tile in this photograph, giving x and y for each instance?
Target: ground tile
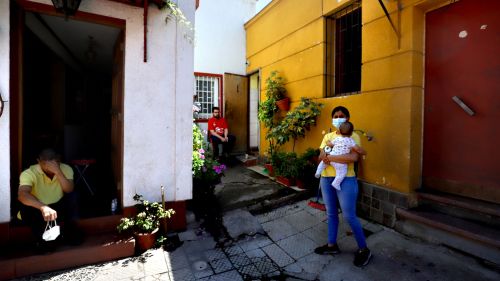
(277, 213)
(240, 260)
(257, 253)
(232, 275)
(265, 265)
(155, 263)
(318, 234)
(301, 220)
(249, 272)
(184, 274)
(214, 254)
(221, 265)
(233, 250)
(280, 257)
(187, 235)
(202, 273)
(176, 260)
(254, 242)
(158, 277)
(279, 229)
(297, 246)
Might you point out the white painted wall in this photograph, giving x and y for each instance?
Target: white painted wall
(4, 119)
(220, 37)
(261, 4)
(157, 104)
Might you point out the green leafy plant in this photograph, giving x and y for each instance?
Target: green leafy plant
(148, 217)
(275, 86)
(205, 170)
(287, 164)
(275, 90)
(296, 122)
(309, 163)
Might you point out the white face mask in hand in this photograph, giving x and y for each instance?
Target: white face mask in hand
(52, 231)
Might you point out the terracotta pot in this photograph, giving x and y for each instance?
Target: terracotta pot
(270, 170)
(284, 104)
(145, 241)
(285, 181)
(300, 184)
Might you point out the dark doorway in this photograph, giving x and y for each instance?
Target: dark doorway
(65, 102)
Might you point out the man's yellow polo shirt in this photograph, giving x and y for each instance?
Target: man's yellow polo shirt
(330, 171)
(46, 190)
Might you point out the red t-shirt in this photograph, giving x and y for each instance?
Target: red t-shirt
(218, 125)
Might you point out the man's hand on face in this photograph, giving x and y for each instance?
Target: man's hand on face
(48, 213)
(52, 166)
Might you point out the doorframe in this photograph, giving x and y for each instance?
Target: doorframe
(259, 75)
(18, 8)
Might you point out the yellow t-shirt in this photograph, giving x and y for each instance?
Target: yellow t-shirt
(330, 171)
(47, 190)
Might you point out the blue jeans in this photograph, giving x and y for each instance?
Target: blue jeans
(347, 197)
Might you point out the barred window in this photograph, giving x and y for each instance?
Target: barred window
(343, 57)
(207, 94)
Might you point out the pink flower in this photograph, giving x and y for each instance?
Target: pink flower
(201, 150)
(202, 156)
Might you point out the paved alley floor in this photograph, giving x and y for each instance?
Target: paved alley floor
(278, 245)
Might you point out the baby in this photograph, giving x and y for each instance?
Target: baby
(342, 144)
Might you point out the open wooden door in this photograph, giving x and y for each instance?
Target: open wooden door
(117, 115)
(236, 109)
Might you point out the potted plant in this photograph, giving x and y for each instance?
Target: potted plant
(275, 90)
(207, 173)
(145, 224)
(308, 164)
(287, 168)
(296, 122)
(268, 108)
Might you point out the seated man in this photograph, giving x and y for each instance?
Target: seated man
(219, 133)
(46, 194)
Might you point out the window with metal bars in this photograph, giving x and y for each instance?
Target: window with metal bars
(207, 95)
(343, 51)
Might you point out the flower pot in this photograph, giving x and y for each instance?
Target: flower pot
(145, 241)
(270, 170)
(300, 183)
(283, 104)
(285, 181)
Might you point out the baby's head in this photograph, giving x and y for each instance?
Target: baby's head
(346, 128)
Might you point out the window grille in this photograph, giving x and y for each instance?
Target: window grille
(343, 57)
(207, 95)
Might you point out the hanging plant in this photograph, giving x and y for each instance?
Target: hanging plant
(176, 13)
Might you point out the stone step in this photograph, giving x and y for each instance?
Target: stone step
(19, 260)
(90, 226)
(247, 160)
(466, 208)
(467, 236)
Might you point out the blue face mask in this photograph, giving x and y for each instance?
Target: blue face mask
(336, 122)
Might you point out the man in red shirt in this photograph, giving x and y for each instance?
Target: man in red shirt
(219, 133)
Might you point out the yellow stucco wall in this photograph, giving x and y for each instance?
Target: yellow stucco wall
(289, 36)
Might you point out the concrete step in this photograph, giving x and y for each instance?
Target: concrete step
(457, 206)
(474, 238)
(90, 226)
(19, 260)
